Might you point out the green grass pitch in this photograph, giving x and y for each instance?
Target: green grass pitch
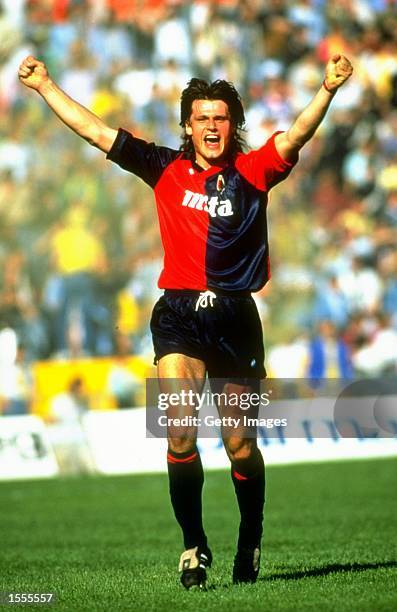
(111, 543)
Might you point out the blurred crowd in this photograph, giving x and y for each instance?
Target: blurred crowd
(79, 245)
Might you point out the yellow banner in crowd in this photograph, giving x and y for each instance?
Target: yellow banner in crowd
(97, 377)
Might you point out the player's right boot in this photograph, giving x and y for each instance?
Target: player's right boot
(193, 565)
(246, 565)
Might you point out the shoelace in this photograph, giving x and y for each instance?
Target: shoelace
(204, 299)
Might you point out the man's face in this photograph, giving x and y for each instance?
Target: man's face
(211, 131)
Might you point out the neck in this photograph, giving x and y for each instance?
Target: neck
(206, 164)
(202, 164)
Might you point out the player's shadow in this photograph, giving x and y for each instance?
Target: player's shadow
(333, 568)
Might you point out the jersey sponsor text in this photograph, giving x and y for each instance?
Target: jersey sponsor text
(213, 206)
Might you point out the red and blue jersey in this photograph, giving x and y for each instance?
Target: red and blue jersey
(212, 222)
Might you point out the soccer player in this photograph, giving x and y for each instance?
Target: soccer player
(211, 202)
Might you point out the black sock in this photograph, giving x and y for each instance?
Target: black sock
(248, 477)
(186, 478)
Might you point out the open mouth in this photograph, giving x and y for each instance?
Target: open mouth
(212, 139)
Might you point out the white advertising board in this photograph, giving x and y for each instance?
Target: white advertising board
(119, 445)
(25, 451)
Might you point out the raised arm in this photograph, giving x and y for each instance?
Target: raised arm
(288, 143)
(34, 74)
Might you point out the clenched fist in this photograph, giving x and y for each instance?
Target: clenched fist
(337, 71)
(33, 73)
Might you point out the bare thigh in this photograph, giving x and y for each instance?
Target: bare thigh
(178, 373)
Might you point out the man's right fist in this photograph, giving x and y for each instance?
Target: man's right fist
(32, 72)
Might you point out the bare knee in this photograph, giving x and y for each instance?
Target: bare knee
(181, 445)
(238, 448)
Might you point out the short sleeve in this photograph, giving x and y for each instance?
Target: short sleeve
(144, 159)
(265, 167)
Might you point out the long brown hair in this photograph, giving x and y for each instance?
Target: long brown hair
(198, 89)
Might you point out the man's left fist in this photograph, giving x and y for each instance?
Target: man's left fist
(337, 71)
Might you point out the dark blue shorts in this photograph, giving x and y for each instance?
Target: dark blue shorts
(226, 336)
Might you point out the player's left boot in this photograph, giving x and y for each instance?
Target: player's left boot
(246, 565)
(193, 565)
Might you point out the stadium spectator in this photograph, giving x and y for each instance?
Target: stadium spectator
(122, 384)
(289, 359)
(66, 428)
(16, 378)
(329, 355)
(77, 255)
(171, 39)
(389, 212)
(377, 356)
(361, 285)
(331, 303)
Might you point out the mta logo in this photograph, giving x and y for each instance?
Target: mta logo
(213, 206)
